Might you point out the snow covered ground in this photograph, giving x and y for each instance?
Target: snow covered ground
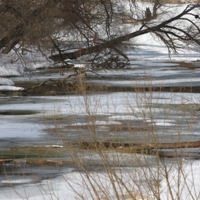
(75, 185)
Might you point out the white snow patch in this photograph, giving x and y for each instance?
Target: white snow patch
(184, 183)
(11, 65)
(80, 66)
(10, 88)
(161, 122)
(66, 186)
(10, 70)
(53, 146)
(38, 65)
(5, 81)
(18, 181)
(98, 123)
(125, 117)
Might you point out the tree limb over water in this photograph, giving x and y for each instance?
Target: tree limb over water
(169, 34)
(98, 26)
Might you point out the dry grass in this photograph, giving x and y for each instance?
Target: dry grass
(125, 173)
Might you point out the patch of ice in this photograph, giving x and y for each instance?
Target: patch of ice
(12, 129)
(18, 181)
(54, 146)
(38, 65)
(79, 66)
(10, 88)
(161, 122)
(5, 81)
(10, 70)
(125, 117)
(10, 65)
(184, 182)
(150, 63)
(71, 184)
(148, 83)
(98, 123)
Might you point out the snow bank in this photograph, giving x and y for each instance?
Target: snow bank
(96, 123)
(184, 184)
(10, 88)
(11, 65)
(5, 81)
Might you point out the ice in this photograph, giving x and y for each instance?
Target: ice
(184, 183)
(97, 123)
(125, 117)
(18, 181)
(44, 64)
(161, 122)
(10, 88)
(5, 81)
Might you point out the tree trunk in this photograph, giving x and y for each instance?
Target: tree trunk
(15, 35)
(107, 44)
(160, 28)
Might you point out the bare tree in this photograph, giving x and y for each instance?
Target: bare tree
(95, 27)
(175, 32)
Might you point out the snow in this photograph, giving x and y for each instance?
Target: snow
(8, 70)
(79, 66)
(19, 181)
(10, 88)
(161, 122)
(42, 64)
(150, 83)
(9, 128)
(190, 171)
(5, 81)
(118, 102)
(125, 117)
(184, 183)
(96, 123)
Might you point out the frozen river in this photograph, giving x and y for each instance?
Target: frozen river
(143, 117)
(124, 116)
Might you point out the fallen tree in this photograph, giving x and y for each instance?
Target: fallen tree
(171, 35)
(93, 27)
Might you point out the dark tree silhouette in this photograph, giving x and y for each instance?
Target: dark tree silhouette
(171, 35)
(47, 24)
(148, 13)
